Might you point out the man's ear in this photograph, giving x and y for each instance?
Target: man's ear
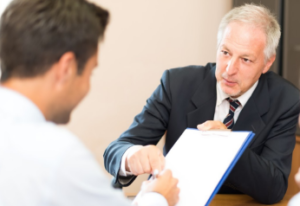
(65, 68)
(269, 64)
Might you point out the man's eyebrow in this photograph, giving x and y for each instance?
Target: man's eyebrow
(247, 55)
(225, 47)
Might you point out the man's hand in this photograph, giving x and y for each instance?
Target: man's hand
(144, 160)
(211, 125)
(164, 184)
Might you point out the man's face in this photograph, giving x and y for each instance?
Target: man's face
(240, 58)
(75, 91)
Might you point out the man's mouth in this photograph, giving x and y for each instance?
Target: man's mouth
(228, 82)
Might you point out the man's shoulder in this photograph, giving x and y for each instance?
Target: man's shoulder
(49, 140)
(191, 71)
(281, 86)
(54, 133)
(189, 77)
(62, 139)
(282, 93)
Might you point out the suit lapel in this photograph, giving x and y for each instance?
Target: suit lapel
(250, 118)
(204, 100)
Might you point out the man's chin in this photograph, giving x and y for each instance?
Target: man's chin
(231, 92)
(61, 119)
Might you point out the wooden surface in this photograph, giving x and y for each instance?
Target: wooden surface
(238, 200)
(292, 186)
(241, 200)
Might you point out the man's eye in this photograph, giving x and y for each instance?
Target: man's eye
(246, 60)
(224, 52)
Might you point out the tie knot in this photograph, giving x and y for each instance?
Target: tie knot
(233, 103)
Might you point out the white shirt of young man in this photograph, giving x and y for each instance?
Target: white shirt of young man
(221, 111)
(43, 164)
(295, 201)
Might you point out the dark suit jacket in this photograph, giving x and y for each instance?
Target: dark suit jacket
(186, 97)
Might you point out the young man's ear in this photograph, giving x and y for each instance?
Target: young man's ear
(269, 64)
(65, 68)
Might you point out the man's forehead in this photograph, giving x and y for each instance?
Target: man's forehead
(246, 38)
(241, 29)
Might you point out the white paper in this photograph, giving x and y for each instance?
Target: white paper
(199, 160)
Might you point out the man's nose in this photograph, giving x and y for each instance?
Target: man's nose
(232, 66)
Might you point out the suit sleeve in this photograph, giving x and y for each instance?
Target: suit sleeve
(264, 176)
(147, 129)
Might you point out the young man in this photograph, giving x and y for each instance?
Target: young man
(48, 50)
(237, 93)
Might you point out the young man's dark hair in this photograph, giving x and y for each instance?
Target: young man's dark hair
(34, 34)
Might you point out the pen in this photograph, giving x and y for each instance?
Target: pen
(155, 173)
(154, 176)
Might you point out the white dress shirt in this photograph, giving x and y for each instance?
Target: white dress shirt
(295, 201)
(222, 106)
(43, 164)
(221, 111)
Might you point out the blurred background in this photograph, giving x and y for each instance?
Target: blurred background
(143, 39)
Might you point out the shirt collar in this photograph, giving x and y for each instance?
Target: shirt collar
(17, 107)
(221, 96)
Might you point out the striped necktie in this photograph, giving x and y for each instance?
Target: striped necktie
(229, 121)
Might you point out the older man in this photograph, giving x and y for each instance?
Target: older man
(48, 50)
(237, 93)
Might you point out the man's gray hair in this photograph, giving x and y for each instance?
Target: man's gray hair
(258, 16)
